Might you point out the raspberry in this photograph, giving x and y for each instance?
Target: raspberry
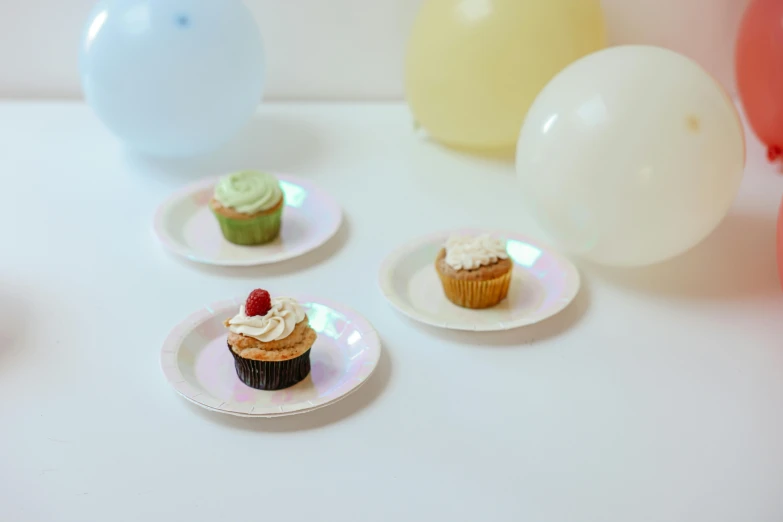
(258, 303)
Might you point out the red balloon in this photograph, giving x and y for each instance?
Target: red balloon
(759, 67)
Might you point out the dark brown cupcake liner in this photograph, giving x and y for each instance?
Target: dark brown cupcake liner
(271, 375)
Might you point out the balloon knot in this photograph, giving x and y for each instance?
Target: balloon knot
(774, 152)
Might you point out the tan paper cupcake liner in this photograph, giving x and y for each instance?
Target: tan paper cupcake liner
(476, 294)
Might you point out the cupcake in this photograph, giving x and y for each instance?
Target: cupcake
(248, 205)
(270, 339)
(475, 271)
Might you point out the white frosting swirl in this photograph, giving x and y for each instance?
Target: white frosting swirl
(278, 323)
(469, 253)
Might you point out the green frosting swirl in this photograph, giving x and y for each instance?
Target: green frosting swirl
(248, 191)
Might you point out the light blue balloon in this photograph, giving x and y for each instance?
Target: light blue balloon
(172, 77)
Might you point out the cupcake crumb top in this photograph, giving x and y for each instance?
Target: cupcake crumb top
(469, 253)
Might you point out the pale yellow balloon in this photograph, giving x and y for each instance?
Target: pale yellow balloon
(474, 67)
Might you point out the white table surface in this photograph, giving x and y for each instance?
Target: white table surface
(657, 396)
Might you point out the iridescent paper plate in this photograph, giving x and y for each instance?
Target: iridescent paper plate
(197, 363)
(185, 225)
(543, 284)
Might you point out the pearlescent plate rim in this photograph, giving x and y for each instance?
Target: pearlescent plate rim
(554, 278)
(322, 225)
(178, 373)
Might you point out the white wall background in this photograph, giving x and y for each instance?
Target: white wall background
(340, 49)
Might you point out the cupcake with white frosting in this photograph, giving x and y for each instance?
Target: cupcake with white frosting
(249, 207)
(270, 339)
(475, 271)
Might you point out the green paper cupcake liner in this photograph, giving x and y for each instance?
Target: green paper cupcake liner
(254, 231)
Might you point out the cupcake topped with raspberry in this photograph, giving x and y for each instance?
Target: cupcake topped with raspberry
(270, 339)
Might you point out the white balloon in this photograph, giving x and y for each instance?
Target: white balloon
(631, 156)
(172, 77)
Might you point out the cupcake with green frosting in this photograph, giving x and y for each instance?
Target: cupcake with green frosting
(249, 206)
